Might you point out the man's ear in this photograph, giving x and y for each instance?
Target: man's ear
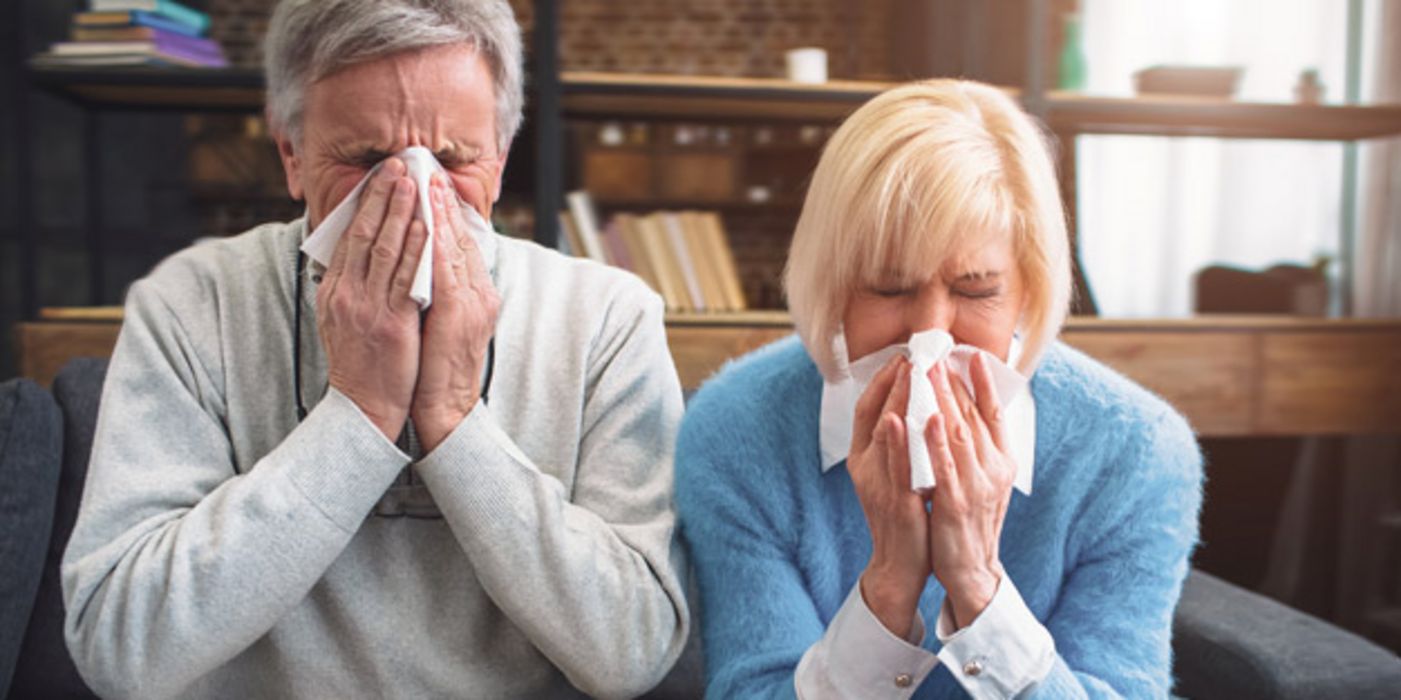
(500, 172)
(287, 150)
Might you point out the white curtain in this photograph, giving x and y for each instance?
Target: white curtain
(1154, 211)
(1377, 279)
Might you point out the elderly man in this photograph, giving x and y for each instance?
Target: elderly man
(478, 501)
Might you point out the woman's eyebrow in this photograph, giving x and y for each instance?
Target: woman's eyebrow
(978, 275)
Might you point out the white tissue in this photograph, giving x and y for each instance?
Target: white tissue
(321, 244)
(925, 349)
(839, 400)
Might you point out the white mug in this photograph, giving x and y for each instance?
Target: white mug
(807, 65)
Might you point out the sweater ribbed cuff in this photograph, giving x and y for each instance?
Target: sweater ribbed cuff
(482, 466)
(340, 461)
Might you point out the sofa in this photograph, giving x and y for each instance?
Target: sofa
(1227, 642)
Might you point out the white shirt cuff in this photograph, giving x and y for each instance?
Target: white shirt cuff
(1004, 651)
(858, 657)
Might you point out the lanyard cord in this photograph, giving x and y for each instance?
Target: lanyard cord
(297, 336)
(297, 344)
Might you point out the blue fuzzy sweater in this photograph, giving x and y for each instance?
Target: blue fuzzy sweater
(1099, 550)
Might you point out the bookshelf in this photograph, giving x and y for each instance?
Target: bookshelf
(578, 95)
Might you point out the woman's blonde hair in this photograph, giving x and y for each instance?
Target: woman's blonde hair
(919, 171)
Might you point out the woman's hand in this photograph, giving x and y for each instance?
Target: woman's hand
(879, 465)
(974, 472)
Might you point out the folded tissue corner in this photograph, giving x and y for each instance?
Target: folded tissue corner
(421, 164)
(924, 349)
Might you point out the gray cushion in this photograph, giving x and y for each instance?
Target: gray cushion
(31, 438)
(1231, 643)
(46, 670)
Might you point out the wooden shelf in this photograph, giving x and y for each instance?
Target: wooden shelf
(179, 89)
(638, 96)
(663, 203)
(1189, 116)
(633, 96)
(621, 95)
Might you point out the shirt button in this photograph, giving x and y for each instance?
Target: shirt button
(903, 680)
(972, 668)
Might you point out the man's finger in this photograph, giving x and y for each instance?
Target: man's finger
(369, 218)
(474, 263)
(414, 243)
(388, 247)
(444, 278)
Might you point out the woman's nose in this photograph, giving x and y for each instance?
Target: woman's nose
(932, 308)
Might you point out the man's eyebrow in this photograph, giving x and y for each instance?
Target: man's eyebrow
(463, 151)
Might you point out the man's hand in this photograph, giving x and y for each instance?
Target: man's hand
(367, 322)
(456, 328)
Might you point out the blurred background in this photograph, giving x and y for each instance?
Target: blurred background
(1231, 170)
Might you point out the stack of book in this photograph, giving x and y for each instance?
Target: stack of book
(137, 32)
(685, 256)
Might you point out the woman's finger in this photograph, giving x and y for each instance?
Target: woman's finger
(897, 453)
(868, 407)
(989, 403)
(936, 437)
(960, 437)
(899, 397)
(972, 417)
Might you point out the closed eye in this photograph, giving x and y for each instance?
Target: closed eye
(892, 292)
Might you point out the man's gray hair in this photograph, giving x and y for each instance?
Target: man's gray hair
(308, 40)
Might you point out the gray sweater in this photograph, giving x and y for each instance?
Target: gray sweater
(224, 550)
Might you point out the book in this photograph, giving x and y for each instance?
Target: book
(114, 49)
(682, 254)
(720, 249)
(707, 273)
(613, 243)
(48, 60)
(586, 221)
(132, 18)
(129, 57)
(133, 33)
(637, 252)
(166, 8)
(569, 242)
(653, 237)
(172, 43)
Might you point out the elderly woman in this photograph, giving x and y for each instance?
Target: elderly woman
(1047, 550)
(304, 483)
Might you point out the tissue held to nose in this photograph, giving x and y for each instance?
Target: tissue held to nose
(421, 165)
(924, 350)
